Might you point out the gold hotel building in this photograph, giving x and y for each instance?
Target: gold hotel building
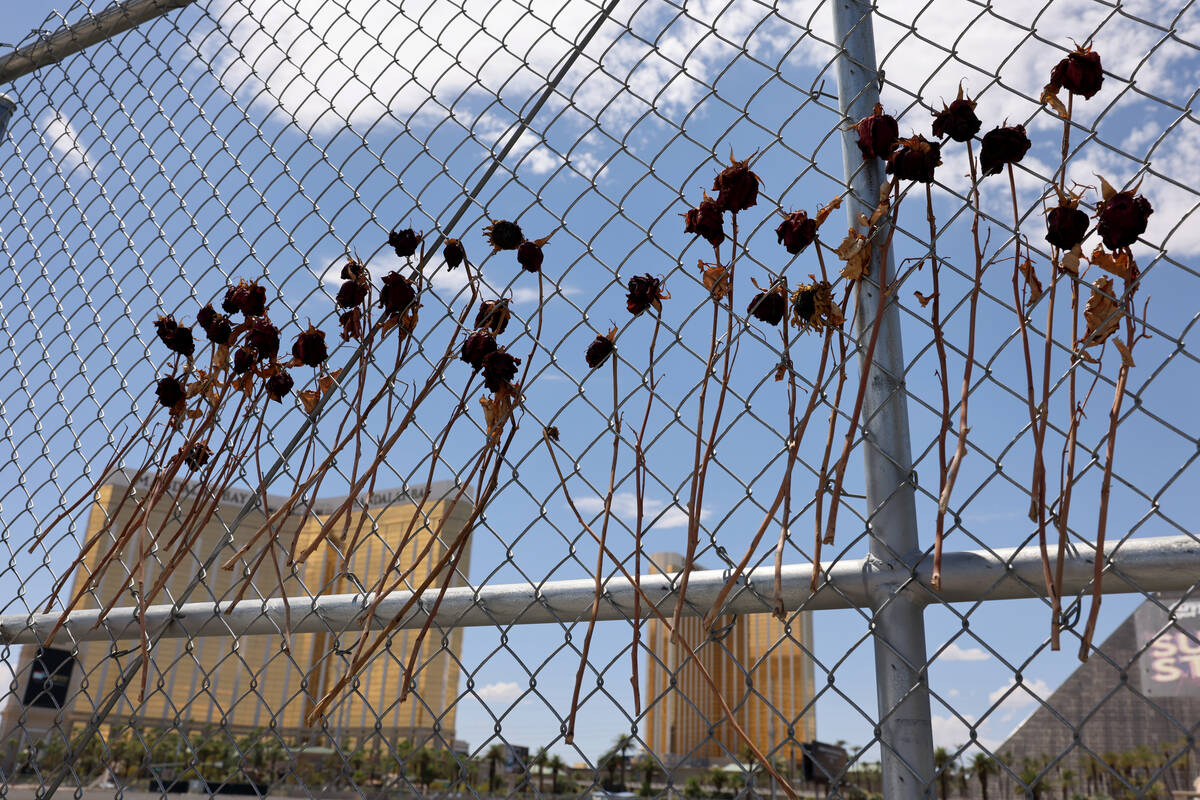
(764, 676)
(253, 682)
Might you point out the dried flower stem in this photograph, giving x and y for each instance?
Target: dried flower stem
(639, 481)
(944, 424)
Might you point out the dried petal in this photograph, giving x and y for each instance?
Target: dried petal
(195, 455)
(1031, 281)
(717, 280)
(1118, 264)
(1101, 313)
(855, 250)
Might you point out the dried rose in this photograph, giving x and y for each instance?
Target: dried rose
(477, 347)
(309, 348)
(796, 232)
(396, 294)
(404, 242)
(499, 368)
(248, 298)
(706, 221)
(503, 235)
(1066, 226)
(244, 359)
(813, 307)
(600, 349)
(263, 338)
(177, 338)
(877, 134)
(352, 292)
(217, 327)
(1079, 73)
(279, 384)
(645, 291)
(1122, 218)
(1002, 146)
(530, 256)
(170, 392)
(351, 322)
(957, 120)
(493, 315)
(353, 270)
(736, 186)
(453, 253)
(768, 307)
(914, 159)
(196, 455)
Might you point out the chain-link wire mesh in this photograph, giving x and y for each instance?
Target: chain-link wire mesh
(273, 140)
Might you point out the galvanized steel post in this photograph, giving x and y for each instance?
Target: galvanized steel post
(905, 730)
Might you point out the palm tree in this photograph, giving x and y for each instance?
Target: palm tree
(614, 759)
(646, 765)
(555, 763)
(1066, 781)
(717, 778)
(494, 754)
(943, 761)
(540, 760)
(983, 766)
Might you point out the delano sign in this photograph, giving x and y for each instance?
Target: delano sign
(1170, 662)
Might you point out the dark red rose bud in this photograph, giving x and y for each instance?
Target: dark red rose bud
(599, 351)
(248, 298)
(404, 242)
(177, 338)
(353, 271)
(530, 256)
(352, 293)
(1066, 226)
(217, 327)
(499, 368)
(706, 220)
(503, 235)
(244, 359)
(645, 291)
(1002, 146)
(736, 186)
(170, 392)
(1122, 219)
(493, 315)
(1079, 73)
(453, 253)
(957, 120)
(914, 159)
(263, 338)
(877, 134)
(196, 455)
(309, 348)
(396, 294)
(278, 385)
(796, 232)
(768, 307)
(477, 347)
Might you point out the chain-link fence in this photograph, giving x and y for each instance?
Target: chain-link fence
(267, 616)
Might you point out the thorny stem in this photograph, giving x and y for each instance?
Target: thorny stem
(1067, 481)
(639, 480)
(944, 425)
(569, 737)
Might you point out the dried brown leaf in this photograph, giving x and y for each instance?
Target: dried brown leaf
(1032, 281)
(923, 299)
(1106, 190)
(1050, 98)
(716, 280)
(309, 399)
(1101, 313)
(855, 250)
(1118, 264)
(497, 410)
(885, 203)
(1070, 262)
(1126, 353)
(824, 212)
(221, 357)
(1084, 355)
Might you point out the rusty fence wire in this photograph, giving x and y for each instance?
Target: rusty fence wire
(155, 153)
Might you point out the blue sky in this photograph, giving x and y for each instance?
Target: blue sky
(341, 147)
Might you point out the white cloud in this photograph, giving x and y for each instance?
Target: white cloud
(501, 692)
(624, 505)
(63, 140)
(955, 653)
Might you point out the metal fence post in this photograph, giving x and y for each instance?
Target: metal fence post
(905, 729)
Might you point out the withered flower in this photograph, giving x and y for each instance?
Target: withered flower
(248, 298)
(244, 359)
(706, 220)
(503, 235)
(768, 307)
(1079, 73)
(552, 432)
(263, 338)
(645, 291)
(477, 347)
(736, 186)
(177, 338)
(309, 348)
(796, 232)
(1066, 225)
(352, 292)
(914, 159)
(1122, 218)
(404, 242)
(279, 384)
(170, 392)
(957, 120)
(877, 134)
(351, 322)
(195, 455)
(353, 270)
(530, 256)
(216, 327)
(499, 368)
(1002, 146)
(813, 307)
(493, 315)
(600, 349)
(453, 253)
(396, 294)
